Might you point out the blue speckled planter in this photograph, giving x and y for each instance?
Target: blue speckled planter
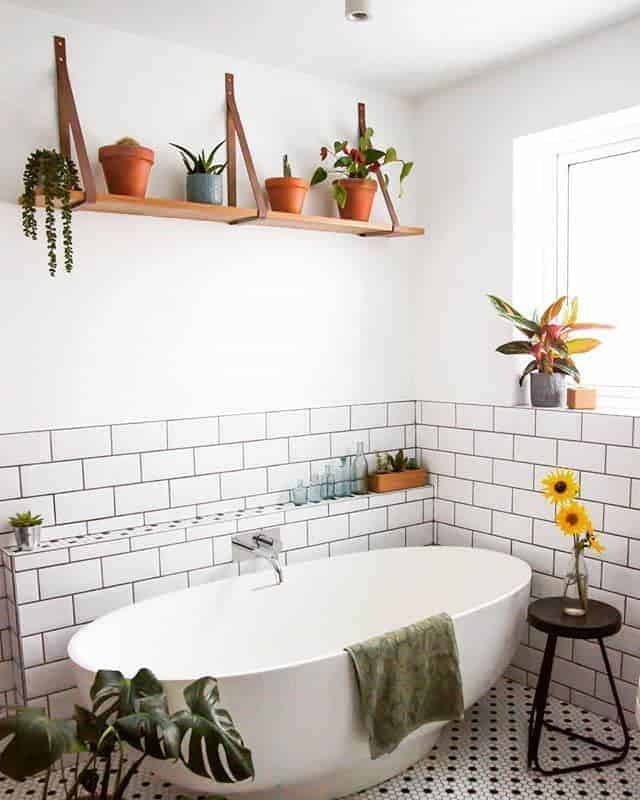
(204, 188)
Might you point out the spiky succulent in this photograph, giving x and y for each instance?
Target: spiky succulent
(397, 463)
(202, 163)
(25, 519)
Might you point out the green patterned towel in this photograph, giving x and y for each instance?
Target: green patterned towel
(407, 678)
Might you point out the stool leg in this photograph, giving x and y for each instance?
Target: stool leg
(621, 751)
(536, 717)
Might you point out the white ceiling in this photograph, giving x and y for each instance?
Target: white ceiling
(410, 47)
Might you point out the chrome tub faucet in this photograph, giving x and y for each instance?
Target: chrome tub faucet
(263, 543)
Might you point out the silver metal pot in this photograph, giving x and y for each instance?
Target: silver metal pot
(28, 538)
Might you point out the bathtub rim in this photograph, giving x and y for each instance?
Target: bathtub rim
(80, 663)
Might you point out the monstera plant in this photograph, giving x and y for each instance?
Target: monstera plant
(124, 712)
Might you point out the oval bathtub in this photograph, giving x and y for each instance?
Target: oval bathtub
(277, 652)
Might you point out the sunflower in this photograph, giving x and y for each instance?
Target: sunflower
(560, 486)
(592, 541)
(573, 519)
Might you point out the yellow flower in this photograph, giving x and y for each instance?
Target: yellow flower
(593, 542)
(560, 486)
(573, 519)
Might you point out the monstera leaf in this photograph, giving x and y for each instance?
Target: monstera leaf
(32, 742)
(113, 695)
(151, 730)
(205, 728)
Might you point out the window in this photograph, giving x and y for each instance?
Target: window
(577, 232)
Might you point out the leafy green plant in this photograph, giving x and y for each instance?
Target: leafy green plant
(286, 166)
(57, 176)
(547, 336)
(201, 163)
(397, 463)
(381, 464)
(131, 712)
(358, 162)
(412, 463)
(25, 519)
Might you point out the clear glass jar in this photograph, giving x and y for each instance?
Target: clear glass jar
(360, 472)
(343, 478)
(299, 495)
(576, 585)
(315, 488)
(328, 490)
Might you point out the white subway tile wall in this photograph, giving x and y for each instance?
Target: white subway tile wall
(124, 508)
(100, 485)
(489, 495)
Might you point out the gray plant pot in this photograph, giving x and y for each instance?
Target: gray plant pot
(28, 538)
(204, 187)
(547, 391)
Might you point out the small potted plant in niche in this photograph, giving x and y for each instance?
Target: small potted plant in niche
(547, 340)
(204, 177)
(26, 527)
(287, 193)
(51, 174)
(394, 473)
(126, 166)
(354, 188)
(561, 488)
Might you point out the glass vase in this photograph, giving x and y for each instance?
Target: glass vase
(360, 472)
(576, 585)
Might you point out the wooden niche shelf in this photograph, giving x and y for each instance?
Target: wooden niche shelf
(90, 200)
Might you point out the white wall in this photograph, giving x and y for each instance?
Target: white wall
(465, 137)
(168, 318)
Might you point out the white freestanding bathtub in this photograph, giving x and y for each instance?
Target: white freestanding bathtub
(278, 654)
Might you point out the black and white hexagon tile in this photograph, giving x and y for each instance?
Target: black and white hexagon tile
(483, 757)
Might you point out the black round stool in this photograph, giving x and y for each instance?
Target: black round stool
(601, 620)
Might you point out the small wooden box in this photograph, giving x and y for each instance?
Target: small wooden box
(395, 481)
(582, 397)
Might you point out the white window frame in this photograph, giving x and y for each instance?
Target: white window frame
(541, 203)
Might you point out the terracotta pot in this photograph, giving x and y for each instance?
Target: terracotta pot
(360, 194)
(126, 168)
(287, 194)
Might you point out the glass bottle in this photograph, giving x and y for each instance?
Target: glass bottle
(576, 584)
(360, 472)
(315, 489)
(299, 494)
(328, 483)
(343, 478)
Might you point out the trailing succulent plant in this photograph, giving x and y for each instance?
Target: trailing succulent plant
(25, 519)
(131, 713)
(286, 166)
(201, 163)
(57, 175)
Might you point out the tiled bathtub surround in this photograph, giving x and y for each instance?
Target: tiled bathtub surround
(487, 463)
(136, 510)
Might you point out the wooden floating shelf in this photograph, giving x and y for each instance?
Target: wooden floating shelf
(181, 209)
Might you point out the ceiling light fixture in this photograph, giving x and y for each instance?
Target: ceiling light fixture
(357, 10)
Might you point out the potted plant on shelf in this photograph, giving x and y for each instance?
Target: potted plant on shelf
(394, 473)
(547, 340)
(26, 527)
(129, 722)
(204, 178)
(51, 174)
(287, 193)
(355, 190)
(126, 166)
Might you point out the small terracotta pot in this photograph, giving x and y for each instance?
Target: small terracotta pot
(126, 168)
(360, 194)
(287, 194)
